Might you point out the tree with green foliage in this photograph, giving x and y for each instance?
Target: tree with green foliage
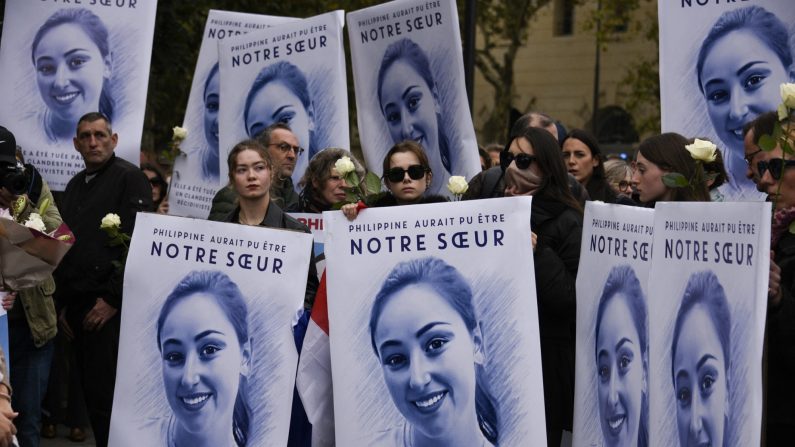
(503, 26)
(619, 20)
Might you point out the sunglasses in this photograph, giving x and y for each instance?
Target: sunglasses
(523, 161)
(284, 147)
(775, 166)
(396, 175)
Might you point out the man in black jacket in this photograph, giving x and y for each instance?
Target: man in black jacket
(89, 285)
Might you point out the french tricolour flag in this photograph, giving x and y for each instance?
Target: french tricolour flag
(314, 372)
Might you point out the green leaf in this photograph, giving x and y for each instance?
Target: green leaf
(767, 143)
(786, 147)
(675, 180)
(351, 197)
(44, 205)
(352, 179)
(792, 227)
(372, 183)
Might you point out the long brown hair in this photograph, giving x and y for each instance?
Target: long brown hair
(668, 152)
(555, 185)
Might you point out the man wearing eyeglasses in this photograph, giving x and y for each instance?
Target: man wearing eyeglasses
(753, 131)
(283, 148)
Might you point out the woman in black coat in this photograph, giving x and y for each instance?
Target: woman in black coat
(532, 165)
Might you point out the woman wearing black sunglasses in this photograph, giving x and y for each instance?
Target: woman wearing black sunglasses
(533, 165)
(664, 154)
(407, 176)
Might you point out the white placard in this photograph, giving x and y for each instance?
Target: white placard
(292, 73)
(211, 336)
(708, 300)
(408, 73)
(61, 60)
(611, 392)
(424, 312)
(196, 176)
(711, 86)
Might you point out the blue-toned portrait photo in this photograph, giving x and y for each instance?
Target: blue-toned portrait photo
(409, 102)
(207, 355)
(280, 94)
(73, 61)
(737, 86)
(427, 336)
(621, 357)
(701, 363)
(203, 340)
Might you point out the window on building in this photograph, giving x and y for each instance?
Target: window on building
(621, 18)
(564, 17)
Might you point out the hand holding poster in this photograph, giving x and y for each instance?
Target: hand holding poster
(429, 346)
(196, 176)
(721, 65)
(59, 61)
(708, 296)
(611, 405)
(207, 355)
(293, 73)
(409, 77)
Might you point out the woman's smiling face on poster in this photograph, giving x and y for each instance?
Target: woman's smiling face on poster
(70, 71)
(410, 107)
(621, 380)
(740, 85)
(428, 360)
(202, 362)
(700, 381)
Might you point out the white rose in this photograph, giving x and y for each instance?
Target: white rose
(702, 150)
(783, 112)
(35, 222)
(180, 133)
(788, 95)
(344, 166)
(457, 185)
(110, 221)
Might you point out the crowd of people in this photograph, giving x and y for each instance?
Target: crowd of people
(561, 169)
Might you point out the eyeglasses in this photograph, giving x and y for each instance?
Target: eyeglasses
(396, 175)
(749, 157)
(284, 147)
(624, 186)
(775, 166)
(523, 161)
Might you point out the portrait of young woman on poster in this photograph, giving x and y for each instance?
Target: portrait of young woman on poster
(428, 339)
(72, 59)
(203, 338)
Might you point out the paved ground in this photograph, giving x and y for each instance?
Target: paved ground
(62, 441)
